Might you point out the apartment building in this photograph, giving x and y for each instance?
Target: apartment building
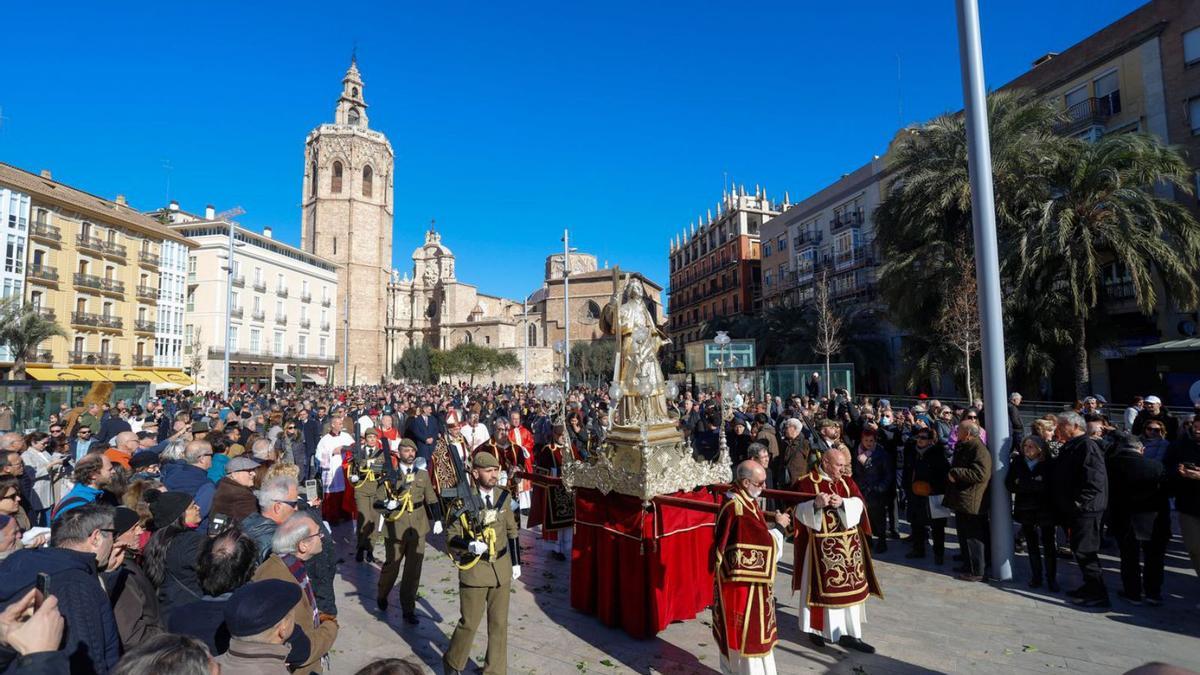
(93, 265)
(282, 306)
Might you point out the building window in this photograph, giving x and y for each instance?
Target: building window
(1194, 115)
(781, 244)
(14, 254)
(312, 187)
(80, 345)
(1108, 90)
(766, 250)
(278, 343)
(593, 310)
(487, 340)
(322, 347)
(367, 181)
(352, 117)
(532, 336)
(336, 184)
(1191, 47)
(302, 345)
(467, 338)
(187, 335)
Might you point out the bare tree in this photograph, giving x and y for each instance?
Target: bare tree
(829, 325)
(196, 358)
(958, 322)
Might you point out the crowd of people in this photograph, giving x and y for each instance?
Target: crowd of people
(165, 537)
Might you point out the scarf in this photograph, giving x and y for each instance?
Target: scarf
(296, 567)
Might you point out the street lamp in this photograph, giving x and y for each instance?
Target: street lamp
(727, 388)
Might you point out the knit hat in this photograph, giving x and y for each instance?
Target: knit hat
(124, 518)
(143, 459)
(167, 507)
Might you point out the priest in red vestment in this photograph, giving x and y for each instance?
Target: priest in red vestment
(746, 551)
(551, 506)
(833, 569)
(522, 440)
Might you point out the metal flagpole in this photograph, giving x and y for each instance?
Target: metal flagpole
(566, 316)
(987, 271)
(228, 305)
(525, 329)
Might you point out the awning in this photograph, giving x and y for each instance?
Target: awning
(1184, 345)
(283, 377)
(173, 379)
(64, 374)
(314, 379)
(131, 376)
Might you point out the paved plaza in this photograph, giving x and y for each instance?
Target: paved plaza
(927, 622)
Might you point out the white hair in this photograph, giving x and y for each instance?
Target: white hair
(793, 422)
(173, 451)
(293, 530)
(276, 489)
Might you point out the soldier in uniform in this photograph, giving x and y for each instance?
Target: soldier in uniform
(408, 503)
(366, 470)
(484, 546)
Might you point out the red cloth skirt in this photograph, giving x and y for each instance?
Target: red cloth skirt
(641, 569)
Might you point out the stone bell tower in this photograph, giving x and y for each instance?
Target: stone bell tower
(347, 219)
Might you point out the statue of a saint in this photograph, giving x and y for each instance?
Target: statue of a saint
(637, 375)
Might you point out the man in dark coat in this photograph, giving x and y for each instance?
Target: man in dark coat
(966, 495)
(80, 548)
(1139, 515)
(424, 430)
(1080, 489)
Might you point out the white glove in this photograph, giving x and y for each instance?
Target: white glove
(477, 548)
(437, 527)
(353, 478)
(516, 572)
(392, 504)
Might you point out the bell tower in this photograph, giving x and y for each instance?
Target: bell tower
(347, 219)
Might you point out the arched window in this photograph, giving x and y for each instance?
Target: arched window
(312, 188)
(352, 117)
(368, 179)
(337, 178)
(592, 311)
(532, 336)
(467, 339)
(354, 92)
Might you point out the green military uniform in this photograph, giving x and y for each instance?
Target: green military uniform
(404, 530)
(484, 580)
(368, 466)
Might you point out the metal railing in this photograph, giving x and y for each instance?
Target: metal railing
(1089, 112)
(281, 319)
(258, 315)
(43, 273)
(260, 286)
(90, 243)
(99, 283)
(239, 282)
(143, 360)
(844, 220)
(47, 312)
(94, 358)
(281, 291)
(149, 258)
(325, 302)
(96, 320)
(236, 312)
(114, 249)
(305, 323)
(39, 356)
(145, 325)
(147, 292)
(306, 297)
(45, 231)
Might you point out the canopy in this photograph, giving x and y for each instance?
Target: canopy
(173, 379)
(132, 376)
(65, 374)
(284, 377)
(1184, 345)
(314, 379)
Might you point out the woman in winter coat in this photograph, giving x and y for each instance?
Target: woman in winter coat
(1029, 481)
(170, 556)
(876, 478)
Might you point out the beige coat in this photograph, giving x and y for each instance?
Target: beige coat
(320, 637)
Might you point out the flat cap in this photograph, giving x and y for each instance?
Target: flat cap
(200, 427)
(259, 605)
(484, 460)
(241, 464)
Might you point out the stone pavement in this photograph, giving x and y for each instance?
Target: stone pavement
(927, 623)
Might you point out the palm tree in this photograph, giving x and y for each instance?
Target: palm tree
(22, 329)
(1104, 210)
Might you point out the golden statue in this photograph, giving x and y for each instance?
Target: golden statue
(637, 376)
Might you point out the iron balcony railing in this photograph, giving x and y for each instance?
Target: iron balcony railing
(43, 273)
(96, 320)
(45, 231)
(94, 358)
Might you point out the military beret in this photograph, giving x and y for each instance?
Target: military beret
(408, 443)
(259, 605)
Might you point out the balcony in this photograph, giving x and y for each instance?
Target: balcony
(281, 291)
(47, 313)
(149, 259)
(844, 260)
(89, 243)
(306, 297)
(325, 327)
(114, 250)
(267, 355)
(46, 232)
(258, 315)
(100, 284)
(844, 220)
(96, 320)
(43, 274)
(94, 358)
(1119, 296)
(39, 356)
(326, 302)
(143, 361)
(236, 312)
(807, 238)
(1091, 112)
(305, 323)
(239, 282)
(260, 287)
(145, 326)
(281, 320)
(147, 293)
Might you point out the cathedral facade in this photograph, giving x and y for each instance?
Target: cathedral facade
(348, 220)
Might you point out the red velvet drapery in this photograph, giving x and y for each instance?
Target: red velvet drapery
(641, 569)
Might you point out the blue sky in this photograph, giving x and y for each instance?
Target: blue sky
(618, 120)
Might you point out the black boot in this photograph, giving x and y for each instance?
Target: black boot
(856, 644)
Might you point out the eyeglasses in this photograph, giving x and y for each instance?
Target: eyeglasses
(971, 417)
(295, 503)
(111, 531)
(85, 432)
(11, 495)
